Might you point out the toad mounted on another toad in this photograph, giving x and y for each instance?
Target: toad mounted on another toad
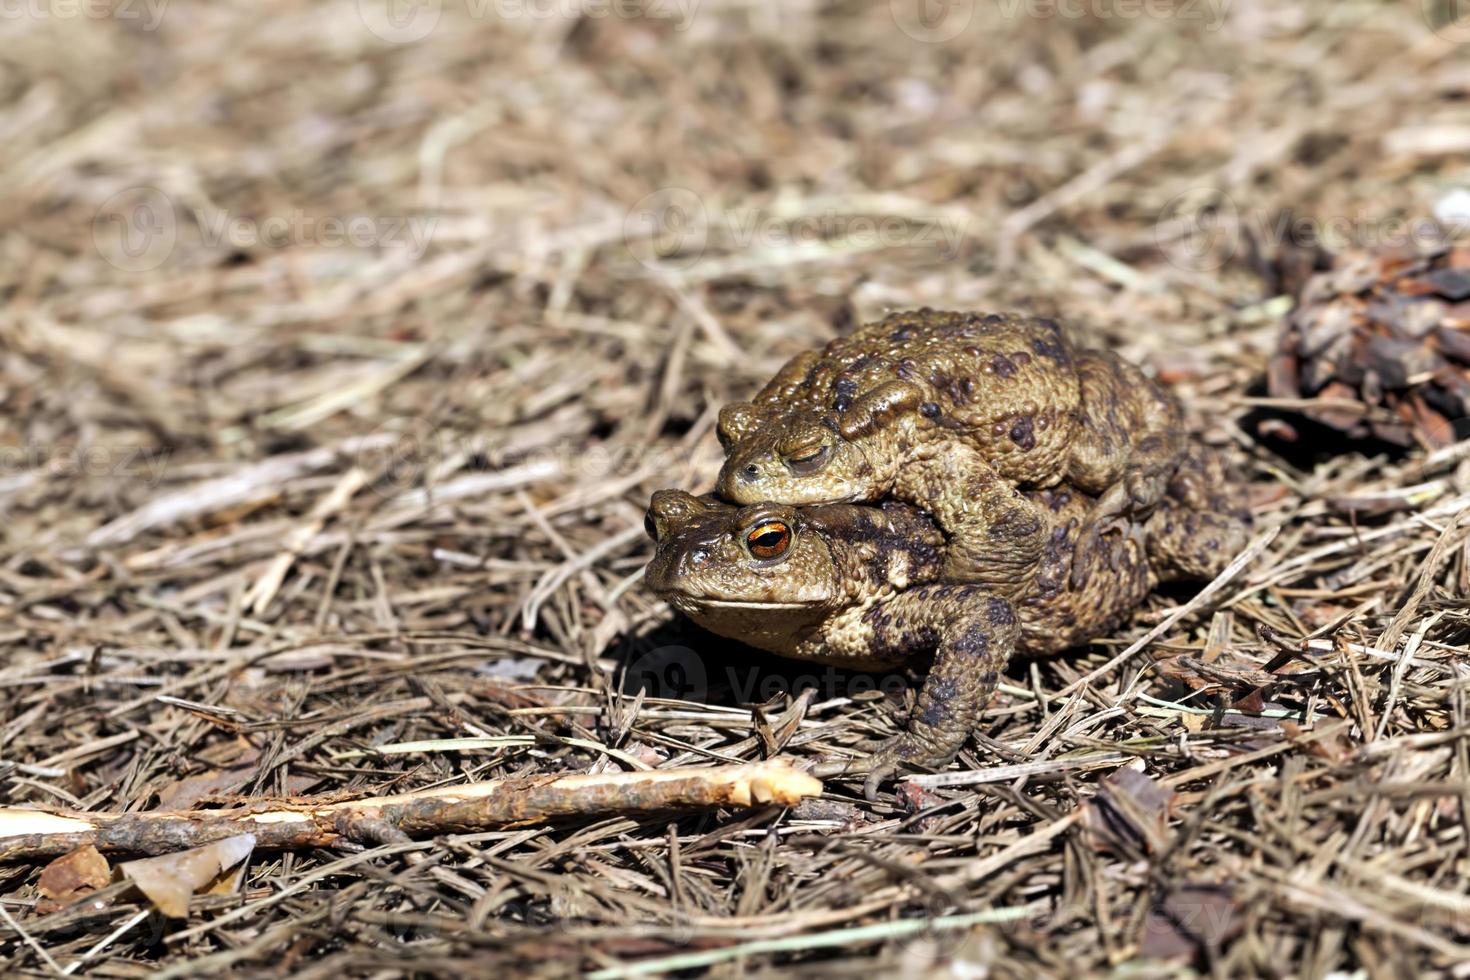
(954, 412)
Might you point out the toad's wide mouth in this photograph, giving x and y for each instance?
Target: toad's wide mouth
(706, 602)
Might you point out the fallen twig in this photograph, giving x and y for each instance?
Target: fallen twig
(285, 824)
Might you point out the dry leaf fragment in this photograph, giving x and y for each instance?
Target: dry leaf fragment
(1333, 748)
(170, 880)
(915, 798)
(1129, 813)
(72, 876)
(188, 792)
(1191, 918)
(1252, 702)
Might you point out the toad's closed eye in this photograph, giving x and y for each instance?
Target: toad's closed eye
(808, 460)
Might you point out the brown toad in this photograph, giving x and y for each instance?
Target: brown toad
(863, 586)
(954, 412)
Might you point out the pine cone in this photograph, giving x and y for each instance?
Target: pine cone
(1390, 331)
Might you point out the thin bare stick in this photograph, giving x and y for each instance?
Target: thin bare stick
(496, 804)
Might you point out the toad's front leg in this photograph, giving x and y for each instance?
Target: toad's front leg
(996, 533)
(972, 633)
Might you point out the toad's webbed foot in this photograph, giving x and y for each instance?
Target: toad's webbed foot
(884, 759)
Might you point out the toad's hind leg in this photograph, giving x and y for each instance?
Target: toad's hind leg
(1130, 434)
(1130, 440)
(1203, 522)
(972, 633)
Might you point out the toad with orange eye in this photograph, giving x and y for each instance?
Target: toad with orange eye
(864, 587)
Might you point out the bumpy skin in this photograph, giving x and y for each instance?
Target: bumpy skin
(864, 587)
(1204, 521)
(954, 412)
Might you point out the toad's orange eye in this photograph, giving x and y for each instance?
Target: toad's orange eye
(769, 540)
